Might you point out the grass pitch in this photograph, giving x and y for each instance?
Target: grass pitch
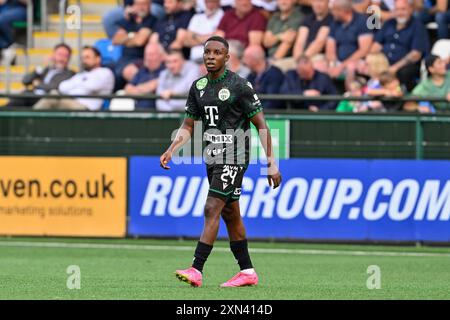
(36, 268)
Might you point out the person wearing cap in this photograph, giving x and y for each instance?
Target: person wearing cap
(437, 83)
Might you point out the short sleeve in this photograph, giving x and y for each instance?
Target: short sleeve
(333, 29)
(420, 40)
(363, 29)
(149, 22)
(307, 21)
(379, 35)
(192, 109)
(249, 100)
(258, 23)
(123, 23)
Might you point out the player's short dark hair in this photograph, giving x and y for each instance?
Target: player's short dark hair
(218, 39)
(63, 45)
(94, 50)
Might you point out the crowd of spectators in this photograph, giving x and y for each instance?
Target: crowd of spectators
(304, 47)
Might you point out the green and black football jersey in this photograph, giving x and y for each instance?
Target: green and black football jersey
(225, 106)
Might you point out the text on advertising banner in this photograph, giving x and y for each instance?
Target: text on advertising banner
(401, 200)
(63, 196)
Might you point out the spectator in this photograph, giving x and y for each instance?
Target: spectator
(265, 78)
(437, 84)
(236, 51)
(133, 34)
(439, 13)
(44, 79)
(146, 80)
(112, 18)
(175, 80)
(385, 9)
(372, 67)
(349, 39)
(166, 29)
(390, 87)
(201, 27)
(313, 33)
(282, 29)
(377, 64)
(92, 80)
(244, 23)
(10, 11)
(404, 41)
(307, 81)
(356, 89)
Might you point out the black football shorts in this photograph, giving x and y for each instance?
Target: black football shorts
(225, 181)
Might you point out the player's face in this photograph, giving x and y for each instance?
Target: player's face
(215, 55)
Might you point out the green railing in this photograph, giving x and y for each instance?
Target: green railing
(408, 136)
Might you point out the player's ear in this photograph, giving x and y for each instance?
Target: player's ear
(227, 57)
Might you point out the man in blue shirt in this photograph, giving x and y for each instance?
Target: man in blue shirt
(404, 40)
(146, 79)
(265, 78)
(166, 29)
(350, 38)
(307, 81)
(133, 34)
(112, 17)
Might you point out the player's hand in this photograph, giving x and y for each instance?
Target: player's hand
(164, 160)
(274, 176)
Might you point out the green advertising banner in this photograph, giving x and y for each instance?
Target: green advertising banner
(279, 130)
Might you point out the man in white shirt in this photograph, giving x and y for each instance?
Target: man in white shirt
(92, 80)
(176, 79)
(201, 27)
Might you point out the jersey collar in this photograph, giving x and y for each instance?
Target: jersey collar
(222, 76)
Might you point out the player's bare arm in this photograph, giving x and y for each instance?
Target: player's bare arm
(274, 175)
(183, 135)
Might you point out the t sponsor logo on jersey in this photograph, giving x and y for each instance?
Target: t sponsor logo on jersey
(201, 84)
(224, 94)
(212, 115)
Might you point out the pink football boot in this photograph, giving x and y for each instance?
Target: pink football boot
(241, 279)
(190, 275)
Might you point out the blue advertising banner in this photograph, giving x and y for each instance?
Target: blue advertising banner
(401, 200)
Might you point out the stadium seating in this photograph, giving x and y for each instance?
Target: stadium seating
(92, 34)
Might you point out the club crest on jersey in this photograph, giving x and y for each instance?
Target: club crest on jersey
(224, 94)
(201, 84)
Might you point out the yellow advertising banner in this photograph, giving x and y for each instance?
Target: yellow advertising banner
(63, 196)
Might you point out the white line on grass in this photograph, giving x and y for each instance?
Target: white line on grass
(217, 249)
